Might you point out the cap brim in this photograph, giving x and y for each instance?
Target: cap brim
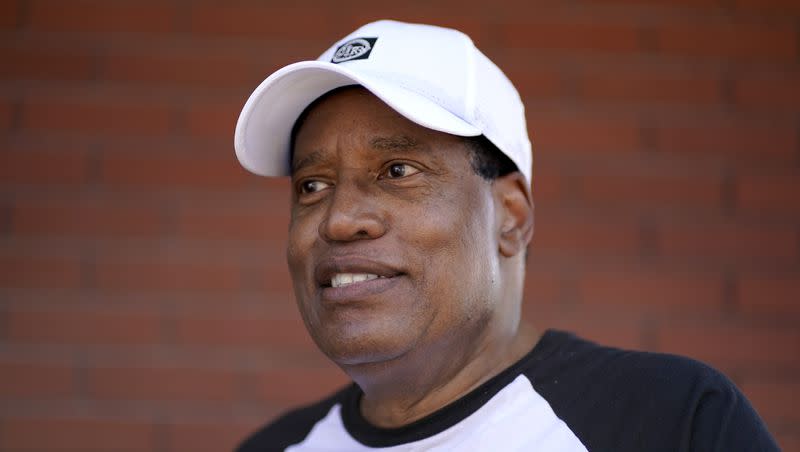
(263, 131)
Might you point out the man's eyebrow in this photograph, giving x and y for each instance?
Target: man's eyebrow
(310, 159)
(394, 143)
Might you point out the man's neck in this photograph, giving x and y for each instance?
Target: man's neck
(396, 395)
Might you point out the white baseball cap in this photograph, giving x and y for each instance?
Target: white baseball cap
(433, 76)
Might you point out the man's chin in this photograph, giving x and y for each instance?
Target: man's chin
(365, 334)
(362, 349)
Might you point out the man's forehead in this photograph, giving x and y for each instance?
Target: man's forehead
(378, 127)
(346, 92)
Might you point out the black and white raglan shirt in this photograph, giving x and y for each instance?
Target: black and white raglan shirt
(567, 394)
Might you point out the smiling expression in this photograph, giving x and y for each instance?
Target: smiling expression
(392, 242)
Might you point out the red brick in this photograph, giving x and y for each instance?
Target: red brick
(162, 384)
(651, 88)
(769, 193)
(242, 329)
(464, 16)
(626, 336)
(584, 135)
(10, 13)
(768, 92)
(728, 241)
(788, 440)
(606, 327)
(115, 274)
(680, 3)
(101, 16)
(769, 294)
(109, 118)
(654, 191)
(221, 172)
(543, 288)
(665, 291)
(275, 276)
(728, 347)
(734, 41)
(39, 272)
(771, 6)
(254, 223)
(90, 327)
(44, 168)
(264, 21)
(6, 114)
(548, 185)
(45, 64)
(570, 36)
(291, 386)
(732, 141)
(534, 83)
(206, 70)
(775, 401)
(584, 238)
(70, 435)
(40, 381)
(207, 437)
(213, 120)
(78, 217)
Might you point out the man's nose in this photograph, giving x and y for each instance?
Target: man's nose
(353, 214)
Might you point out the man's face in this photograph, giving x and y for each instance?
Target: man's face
(392, 243)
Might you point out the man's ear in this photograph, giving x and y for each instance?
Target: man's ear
(514, 208)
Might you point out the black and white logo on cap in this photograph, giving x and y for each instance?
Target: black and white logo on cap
(354, 49)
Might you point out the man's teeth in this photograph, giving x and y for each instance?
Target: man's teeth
(343, 279)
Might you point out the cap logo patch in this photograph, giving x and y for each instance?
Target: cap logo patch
(354, 49)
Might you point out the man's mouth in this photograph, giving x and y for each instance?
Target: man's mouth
(345, 279)
(346, 288)
(354, 279)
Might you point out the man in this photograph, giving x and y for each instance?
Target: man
(411, 213)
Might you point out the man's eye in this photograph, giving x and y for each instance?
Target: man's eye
(398, 170)
(312, 186)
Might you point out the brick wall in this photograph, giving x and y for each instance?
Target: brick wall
(144, 303)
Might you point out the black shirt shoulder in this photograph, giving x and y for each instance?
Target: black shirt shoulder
(292, 427)
(617, 399)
